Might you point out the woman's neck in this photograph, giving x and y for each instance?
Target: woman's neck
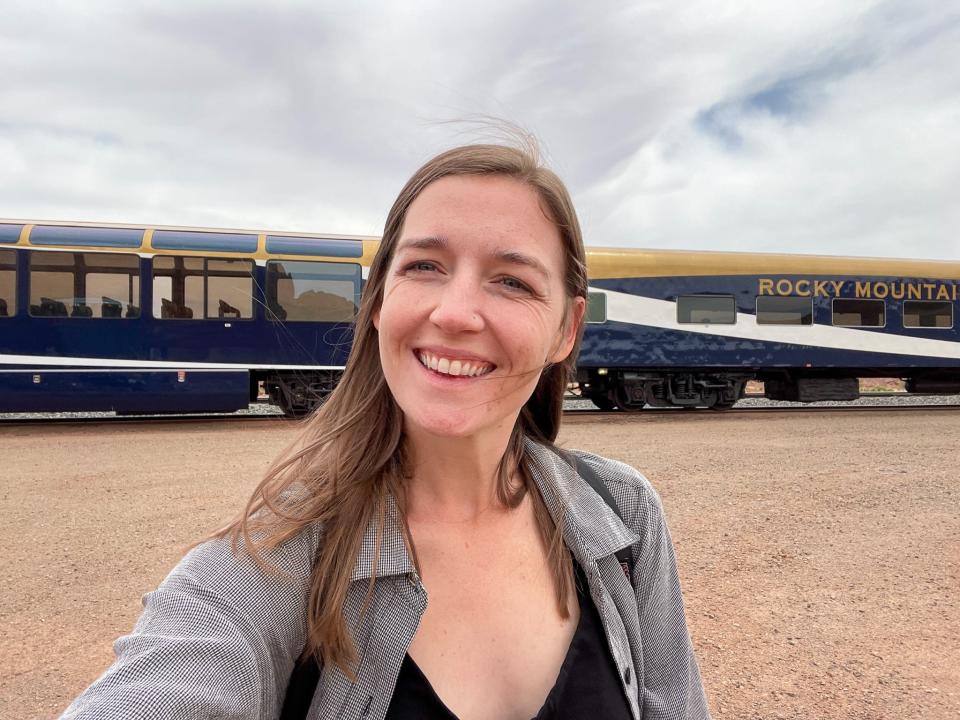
(454, 479)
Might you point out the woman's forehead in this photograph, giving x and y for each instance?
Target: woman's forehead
(497, 212)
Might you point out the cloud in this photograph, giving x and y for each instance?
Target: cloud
(813, 127)
(851, 154)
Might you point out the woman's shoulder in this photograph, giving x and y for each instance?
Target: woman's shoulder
(223, 558)
(636, 499)
(634, 494)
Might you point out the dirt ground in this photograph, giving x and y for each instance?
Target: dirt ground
(818, 551)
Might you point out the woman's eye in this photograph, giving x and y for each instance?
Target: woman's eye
(514, 284)
(421, 266)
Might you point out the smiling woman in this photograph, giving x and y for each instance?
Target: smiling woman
(465, 289)
(422, 550)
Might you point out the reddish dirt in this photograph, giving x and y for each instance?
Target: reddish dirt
(819, 552)
(867, 385)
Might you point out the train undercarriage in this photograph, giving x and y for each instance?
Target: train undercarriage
(298, 392)
(633, 389)
(630, 390)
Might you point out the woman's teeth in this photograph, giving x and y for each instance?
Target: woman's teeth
(462, 368)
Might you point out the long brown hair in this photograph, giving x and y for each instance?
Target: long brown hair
(350, 454)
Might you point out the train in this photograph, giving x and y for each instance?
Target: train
(163, 319)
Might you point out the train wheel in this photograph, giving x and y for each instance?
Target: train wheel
(604, 402)
(625, 402)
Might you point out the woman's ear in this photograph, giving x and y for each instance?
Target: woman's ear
(571, 327)
(376, 319)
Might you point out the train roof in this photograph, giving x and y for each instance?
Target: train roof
(607, 262)
(603, 262)
(188, 240)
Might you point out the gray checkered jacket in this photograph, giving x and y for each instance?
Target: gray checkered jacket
(219, 637)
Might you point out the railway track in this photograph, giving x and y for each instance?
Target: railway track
(572, 414)
(140, 420)
(587, 414)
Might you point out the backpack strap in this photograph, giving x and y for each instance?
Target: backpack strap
(300, 689)
(624, 556)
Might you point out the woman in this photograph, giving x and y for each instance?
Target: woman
(430, 473)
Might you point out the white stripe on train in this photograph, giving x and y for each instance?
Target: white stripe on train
(82, 362)
(621, 307)
(638, 310)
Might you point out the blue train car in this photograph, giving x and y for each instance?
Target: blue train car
(151, 319)
(691, 328)
(163, 319)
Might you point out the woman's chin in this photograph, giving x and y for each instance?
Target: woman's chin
(447, 424)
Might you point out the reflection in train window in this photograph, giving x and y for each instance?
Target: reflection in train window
(194, 288)
(312, 291)
(784, 310)
(84, 285)
(857, 312)
(596, 307)
(927, 314)
(229, 289)
(710, 309)
(8, 283)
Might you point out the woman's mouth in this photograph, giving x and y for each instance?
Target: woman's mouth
(453, 366)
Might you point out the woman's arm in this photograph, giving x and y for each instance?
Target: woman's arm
(672, 686)
(218, 638)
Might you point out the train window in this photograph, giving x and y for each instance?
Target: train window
(195, 288)
(327, 247)
(927, 314)
(10, 234)
(84, 285)
(8, 283)
(709, 309)
(229, 289)
(596, 307)
(784, 310)
(203, 241)
(312, 291)
(104, 237)
(856, 312)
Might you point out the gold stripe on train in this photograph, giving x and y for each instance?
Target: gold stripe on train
(609, 263)
(602, 262)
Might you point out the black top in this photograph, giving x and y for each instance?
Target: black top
(588, 685)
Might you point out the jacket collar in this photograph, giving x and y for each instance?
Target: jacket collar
(591, 528)
(393, 557)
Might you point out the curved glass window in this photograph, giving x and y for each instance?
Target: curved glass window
(203, 241)
(312, 291)
(9, 234)
(66, 235)
(196, 288)
(84, 285)
(327, 247)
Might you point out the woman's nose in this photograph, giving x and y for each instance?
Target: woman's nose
(458, 308)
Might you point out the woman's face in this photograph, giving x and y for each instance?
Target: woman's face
(473, 305)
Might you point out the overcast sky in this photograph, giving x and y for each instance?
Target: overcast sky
(815, 127)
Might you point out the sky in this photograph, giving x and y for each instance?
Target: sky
(813, 127)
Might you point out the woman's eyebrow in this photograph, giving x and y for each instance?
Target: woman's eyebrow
(516, 258)
(431, 242)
